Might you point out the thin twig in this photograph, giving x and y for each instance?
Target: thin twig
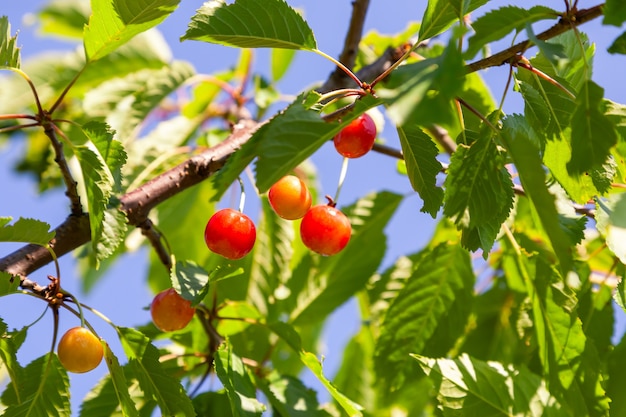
(580, 17)
(351, 45)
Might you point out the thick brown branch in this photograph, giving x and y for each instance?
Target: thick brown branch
(580, 17)
(75, 232)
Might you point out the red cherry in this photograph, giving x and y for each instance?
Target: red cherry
(357, 138)
(325, 230)
(170, 311)
(289, 197)
(230, 233)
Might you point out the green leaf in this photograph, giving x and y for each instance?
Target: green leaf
(488, 388)
(570, 362)
(155, 382)
(127, 101)
(336, 278)
(289, 396)
(111, 150)
(64, 18)
(10, 342)
(441, 14)
(189, 280)
(532, 175)
(498, 23)
(315, 366)
(26, 231)
(280, 61)
(619, 45)
(239, 387)
(293, 135)
(617, 380)
(9, 53)
(420, 155)
(614, 12)
(8, 283)
(113, 23)
(44, 390)
(236, 316)
(251, 24)
(105, 225)
(479, 192)
(593, 133)
(271, 256)
(422, 93)
(118, 383)
(288, 334)
(611, 222)
(413, 315)
(355, 377)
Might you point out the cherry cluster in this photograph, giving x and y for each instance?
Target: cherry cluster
(324, 229)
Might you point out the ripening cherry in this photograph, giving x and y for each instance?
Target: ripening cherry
(80, 350)
(325, 230)
(230, 233)
(290, 197)
(357, 138)
(170, 311)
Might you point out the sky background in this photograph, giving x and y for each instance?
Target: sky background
(407, 233)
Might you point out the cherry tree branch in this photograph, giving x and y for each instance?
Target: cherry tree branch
(565, 24)
(136, 204)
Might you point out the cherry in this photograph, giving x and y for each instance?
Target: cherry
(230, 233)
(289, 197)
(170, 311)
(325, 230)
(357, 138)
(80, 350)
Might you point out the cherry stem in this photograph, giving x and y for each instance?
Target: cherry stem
(17, 116)
(541, 74)
(242, 198)
(342, 177)
(396, 64)
(32, 88)
(59, 100)
(17, 127)
(344, 92)
(341, 66)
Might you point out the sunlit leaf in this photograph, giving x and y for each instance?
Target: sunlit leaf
(525, 155)
(153, 378)
(25, 230)
(499, 22)
(190, 280)
(593, 134)
(44, 390)
(441, 14)
(9, 52)
(479, 192)
(488, 388)
(113, 23)
(251, 24)
(422, 167)
(241, 392)
(414, 313)
(64, 18)
(611, 222)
